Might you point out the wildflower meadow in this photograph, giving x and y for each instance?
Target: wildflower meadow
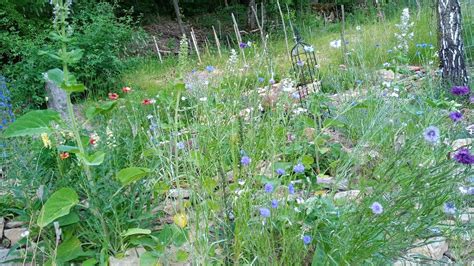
(323, 134)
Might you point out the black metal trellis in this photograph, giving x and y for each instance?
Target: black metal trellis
(304, 64)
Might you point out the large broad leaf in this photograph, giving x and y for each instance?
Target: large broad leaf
(69, 250)
(73, 87)
(55, 75)
(148, 259)
(58, 205)
(129, 175)
(136, 231)
(32, 123)
(102, 109)
(92, 160)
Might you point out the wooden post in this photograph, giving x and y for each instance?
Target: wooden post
(193, 37)
(239, 38)
(218, 44)
(284, 30)
(157, 49)
(343, 40)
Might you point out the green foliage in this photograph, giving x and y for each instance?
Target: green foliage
(58, 205)
(32, 123)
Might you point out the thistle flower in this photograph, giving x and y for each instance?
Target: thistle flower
(265, 212)
(280, 171)
(449, 208)
(455, 116)
(431, 134)
(460, 90)
(307, 239)
(464, 156)
(113, 96)
(274, 203)
(291, 189)
(376, 208)
(245, 160)
(299, 168)
(268, 188)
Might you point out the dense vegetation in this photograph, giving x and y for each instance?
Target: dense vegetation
(219, 159)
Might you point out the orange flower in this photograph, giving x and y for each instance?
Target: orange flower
(64, 155)
(127, 89)
(113, 96)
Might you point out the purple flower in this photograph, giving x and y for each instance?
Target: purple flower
(299, 168)
(471, 99)
(271, 81)
(455, 116)
(376, 208)
(260, 79)
(210, 68)
(464, 156)
(274, 203)
(449, 208)
(245, 161)
(291, 189)
(265, 212)
(300, 63)
(280, 171)
(268, 188)
(431, 134)
(243, 45)
(307, 239)
(460, 90)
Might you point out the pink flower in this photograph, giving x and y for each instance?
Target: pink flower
(127, 89)
(113, 96)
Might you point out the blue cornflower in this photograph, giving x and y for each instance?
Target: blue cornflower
(307, 239)
(268, 188)
(431, 134)
(299, 168)
(265, 212)
(243, 45)
(291, 189)
(210, 68)
(389, 51)
(449, 208)
(280, 171)
(300, 63)
(245, 160)
(271, 81)
(180, 145)
(460, 90)
(274, 203)
(455, 116)
(260, 79)
(308, 49)
(295, 95)
(376, 208)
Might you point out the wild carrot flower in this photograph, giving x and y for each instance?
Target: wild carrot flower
(299, 168)
(280, 171)
(265, 212)
(307, 239)
(245, 160)
(274, 203)
(460, 90)
(449, 208)
(464, 156)
(291, 189)
(126, 89)
(455, 116)
(113, 96)
(268, 188)
(431, 134)
(376, 208)
(64, 155)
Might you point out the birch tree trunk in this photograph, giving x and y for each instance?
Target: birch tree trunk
(451, 46)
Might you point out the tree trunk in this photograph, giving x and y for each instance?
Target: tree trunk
(251, 20)
(451, 46)
(178, 17)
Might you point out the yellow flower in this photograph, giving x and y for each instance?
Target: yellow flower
(46, 140)
(180, 219)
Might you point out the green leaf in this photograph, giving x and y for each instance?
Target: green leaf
(55, 75)
(307, 160)
(182, 256)
(73, 87)
(102, 109)
(209, 184)
(161, 187)
(69, 250)
(69, 219)
(66, 148)
(92, 160)
(148, 259)
(89, 262)
(58, 205)
(136, 231)
(129, 175)
(32, 123)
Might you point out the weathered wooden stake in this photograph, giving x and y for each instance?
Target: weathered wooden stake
(157, 49)
(239, 38)
(343, 40)
(284, 30)
(193, 36)
(218, 44)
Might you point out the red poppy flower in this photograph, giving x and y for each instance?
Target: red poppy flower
(147, 102)
(113, 96)
(127, 89)
(64, 155)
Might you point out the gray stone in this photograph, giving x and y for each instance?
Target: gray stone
(347, 195)
(131, 257)
(179, 193)
(56, 99)
(14, 235)
(434, 250)
(2, 225)
(14, 224)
